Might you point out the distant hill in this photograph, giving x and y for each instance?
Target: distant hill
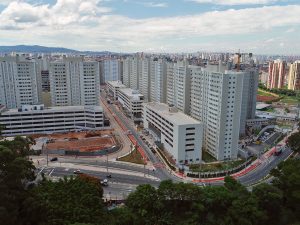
(43, 49)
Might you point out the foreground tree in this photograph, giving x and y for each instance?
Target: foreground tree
(71, 201)
(287, 179)
(15, 173)
(294, 142)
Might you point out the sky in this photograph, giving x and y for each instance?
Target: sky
(160, 26)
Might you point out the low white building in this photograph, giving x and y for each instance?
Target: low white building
(36, 119)
(180, 134)
(113, 88)
(132, 101)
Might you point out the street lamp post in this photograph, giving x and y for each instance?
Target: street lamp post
(107, 162)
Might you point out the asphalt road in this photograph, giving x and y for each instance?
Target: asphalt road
(162, 173)
(264, 169)
(116, 178)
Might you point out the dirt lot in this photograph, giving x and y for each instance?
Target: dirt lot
(82, 141)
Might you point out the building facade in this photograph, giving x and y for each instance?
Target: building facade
(294, 76)
(158, 81)
(36, 119)
(216, 101)
(276, 74)
(74, 81)
(180, 134)
(132, 102)
(144, 78)
(113, 88)
(19, 83)
(178, 86)
(109, 70)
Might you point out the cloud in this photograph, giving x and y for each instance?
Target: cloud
(87, 25)
(156, 5)
(5, 2)
(235, 2)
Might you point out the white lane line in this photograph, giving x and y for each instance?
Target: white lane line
(51, 172)
(41, 170)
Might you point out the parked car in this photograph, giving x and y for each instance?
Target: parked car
(53, 159)
(77, 172)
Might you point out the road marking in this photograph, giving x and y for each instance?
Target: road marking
(41, 170)
(66, 169)
(51, 172)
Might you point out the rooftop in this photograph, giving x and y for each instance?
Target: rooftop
(116, 83)
(260, 106)
(173, 116)
(131, 93)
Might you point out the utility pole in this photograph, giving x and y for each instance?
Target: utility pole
(107, 161)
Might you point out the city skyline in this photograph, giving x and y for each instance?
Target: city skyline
(260, 26)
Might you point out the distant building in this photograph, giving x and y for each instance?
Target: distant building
(19, 83)
(109, 70)
(158, 81)
(276, 74)
(45, 80)
(113, 88)
(131, 73)
(132, 101)
(181, 135)
(144, 78)
(74, 81)
(179, 86)
(36, 119)
(294, 76)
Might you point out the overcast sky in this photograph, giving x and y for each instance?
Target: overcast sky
(258, 26)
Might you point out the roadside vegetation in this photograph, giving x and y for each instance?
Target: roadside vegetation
(217, 166)
(133, 157)
(79, 200)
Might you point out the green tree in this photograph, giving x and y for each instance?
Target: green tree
(287, 179)
(15, 173)
(270, 201)
(294, 142)
(146, 205)
(70, 201)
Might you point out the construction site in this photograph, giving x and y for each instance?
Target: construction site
(80, 143)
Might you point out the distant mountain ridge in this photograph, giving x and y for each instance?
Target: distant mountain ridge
(43, 49)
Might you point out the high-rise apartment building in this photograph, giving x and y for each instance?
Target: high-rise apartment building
(126, 72)
(144, 78)
(158, 81)
(216, 101)
(18, 81)
(74, 81)
(170, 83)
(178, 86)
(294, 76)
(131, 72)
(276, 74)
(109, 70)
(249, 92)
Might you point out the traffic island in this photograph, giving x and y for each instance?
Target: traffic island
(133, 157)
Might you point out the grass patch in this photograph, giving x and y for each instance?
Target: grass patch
(212, 167)
(206, 157)
(291, 100)
(133, 157)
(264, 93)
